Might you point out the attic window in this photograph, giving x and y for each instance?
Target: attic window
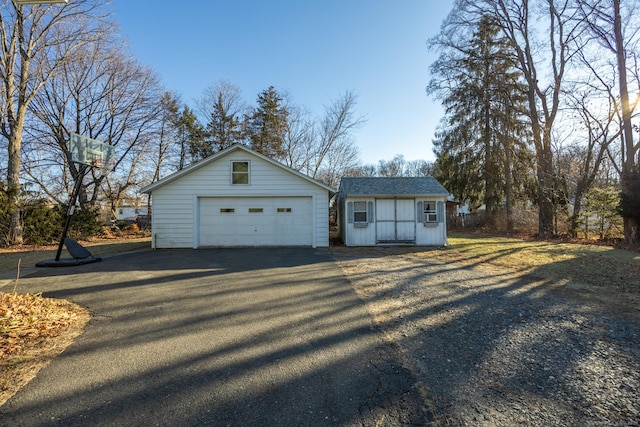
(240, 173)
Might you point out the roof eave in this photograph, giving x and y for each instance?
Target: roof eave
(396, 195)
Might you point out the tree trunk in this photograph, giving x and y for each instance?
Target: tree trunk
(507, 185)
(545, 194)
(575, 218)
(14, 236)
(631, 232)
(631, 223)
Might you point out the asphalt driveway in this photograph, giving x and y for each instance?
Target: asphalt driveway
(269, 337)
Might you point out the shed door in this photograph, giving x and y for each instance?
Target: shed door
(256, 221)
(395, 220)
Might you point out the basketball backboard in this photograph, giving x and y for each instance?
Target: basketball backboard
(90, 152)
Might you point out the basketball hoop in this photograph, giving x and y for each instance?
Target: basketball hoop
(90, 152)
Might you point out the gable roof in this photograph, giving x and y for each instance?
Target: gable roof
(397, 186)
(177, 175)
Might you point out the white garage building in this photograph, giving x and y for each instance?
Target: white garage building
(238, 197)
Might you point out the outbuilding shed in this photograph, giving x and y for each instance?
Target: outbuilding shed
(381, 211)
(239, 197)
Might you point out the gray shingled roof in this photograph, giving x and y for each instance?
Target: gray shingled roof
(376, 186)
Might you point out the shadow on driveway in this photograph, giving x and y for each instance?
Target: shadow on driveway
(497, 347)
(272, 337)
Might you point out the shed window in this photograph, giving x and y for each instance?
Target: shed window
(430, 212)
(240, 172)
(359, 211)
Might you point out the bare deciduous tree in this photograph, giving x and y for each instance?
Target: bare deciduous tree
(615, 27)
(336, 130)
(105, 95)
(36, 41)
(323, 149)
(299, 139)
(596, 132)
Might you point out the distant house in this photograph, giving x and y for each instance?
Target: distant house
(239, 197)
(382, 211)
(131, 212)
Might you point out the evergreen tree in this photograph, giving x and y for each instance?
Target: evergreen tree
(267, 124)
(224, 127)
(481, 139)
(192, 138)
(168, 132)
(222, 106)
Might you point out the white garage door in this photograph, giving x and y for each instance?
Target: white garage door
(279, 221)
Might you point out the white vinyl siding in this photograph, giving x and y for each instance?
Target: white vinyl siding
(175, 204)
(398, 220)
(359, 233)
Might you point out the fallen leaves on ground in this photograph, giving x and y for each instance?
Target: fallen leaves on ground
(33, 330)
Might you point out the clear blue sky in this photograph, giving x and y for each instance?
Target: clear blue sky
(314, 50)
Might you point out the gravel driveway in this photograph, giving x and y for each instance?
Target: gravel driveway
(496, 348)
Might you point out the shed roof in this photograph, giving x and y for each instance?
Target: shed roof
(381, 186)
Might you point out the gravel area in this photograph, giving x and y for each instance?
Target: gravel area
(493, 347)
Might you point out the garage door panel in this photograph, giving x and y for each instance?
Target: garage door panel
(280, 221)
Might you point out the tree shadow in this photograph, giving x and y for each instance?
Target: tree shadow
(501, 346)
(217, 337)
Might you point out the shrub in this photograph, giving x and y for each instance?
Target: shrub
(41, 224)
(5, 213)
(85, 223)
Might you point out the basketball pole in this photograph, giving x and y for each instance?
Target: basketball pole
(71, 208)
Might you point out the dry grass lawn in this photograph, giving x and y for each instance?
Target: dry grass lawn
(33, 330)
(598, 273)
(589, 264)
